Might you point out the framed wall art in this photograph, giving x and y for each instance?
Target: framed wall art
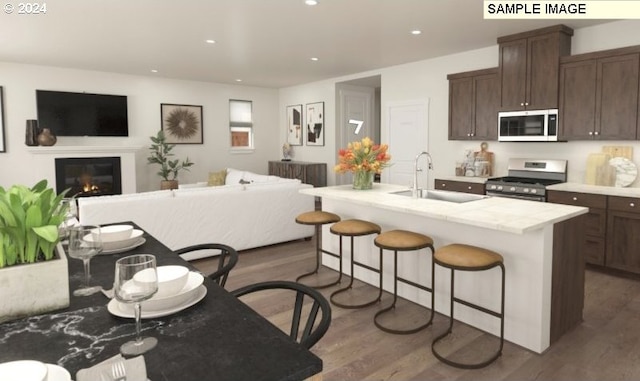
(314, 131)
(294, 125)
(182, 124)
(2, 144)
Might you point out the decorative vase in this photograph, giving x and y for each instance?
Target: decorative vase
(168, 184)
(23, 287)
(31, 133)
(46, 138)
(362, 180)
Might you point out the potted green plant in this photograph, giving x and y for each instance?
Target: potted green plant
(31, 258)
(160, 153)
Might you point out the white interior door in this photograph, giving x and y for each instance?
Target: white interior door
(408, 136)
(355, 103)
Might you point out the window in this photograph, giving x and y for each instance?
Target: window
(241, 124)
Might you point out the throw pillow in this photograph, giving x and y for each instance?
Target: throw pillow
(217, 178)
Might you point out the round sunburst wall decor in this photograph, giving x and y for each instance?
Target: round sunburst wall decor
(182, 124)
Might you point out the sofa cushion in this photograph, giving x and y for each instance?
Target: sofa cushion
(233, 176)
(217, 178)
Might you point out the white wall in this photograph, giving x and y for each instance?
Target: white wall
(145, 94)
(428, 79)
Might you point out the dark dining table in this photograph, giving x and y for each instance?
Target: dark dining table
(219, 338)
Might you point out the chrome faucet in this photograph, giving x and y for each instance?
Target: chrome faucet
(416, 170)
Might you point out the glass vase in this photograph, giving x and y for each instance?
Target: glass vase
(362, 180)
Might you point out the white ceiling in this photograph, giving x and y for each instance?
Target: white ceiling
(265, 43)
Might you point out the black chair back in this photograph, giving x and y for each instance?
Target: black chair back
(227, 259)
(312, 332)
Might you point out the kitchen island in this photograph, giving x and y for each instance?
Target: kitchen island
(543, 260)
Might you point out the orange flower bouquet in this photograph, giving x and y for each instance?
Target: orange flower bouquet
(363, 159)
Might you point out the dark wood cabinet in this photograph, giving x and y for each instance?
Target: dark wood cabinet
(309, 173)
(595, 221)
(623, 240)
(459, 186)
(474, 99)
(529, 67)
(599, 96)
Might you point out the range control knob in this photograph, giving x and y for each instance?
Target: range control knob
(499, 187)
(525, 190)
(534, 191)
(512, 189)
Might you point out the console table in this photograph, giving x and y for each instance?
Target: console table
(309, 173)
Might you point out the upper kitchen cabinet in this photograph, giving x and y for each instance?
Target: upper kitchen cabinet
(599, 95)
(474, 99)
(529, 67)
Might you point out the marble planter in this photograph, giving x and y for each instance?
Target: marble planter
(35, 288)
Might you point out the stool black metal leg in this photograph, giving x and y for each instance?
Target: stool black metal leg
(319, 252)
(395, 298)
(500, 315)
(346, 288)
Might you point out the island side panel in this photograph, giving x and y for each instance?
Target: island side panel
(528, 262)
(568, 276)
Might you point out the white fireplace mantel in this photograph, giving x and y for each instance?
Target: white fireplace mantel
(44, 160)
(82, 149)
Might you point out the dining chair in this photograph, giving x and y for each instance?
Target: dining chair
(227, 259)
(312, 332)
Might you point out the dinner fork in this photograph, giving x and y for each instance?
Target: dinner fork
(118, 371)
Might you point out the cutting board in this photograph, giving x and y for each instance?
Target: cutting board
(619, 151)
(598, 172)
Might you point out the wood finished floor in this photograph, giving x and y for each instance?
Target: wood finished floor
(605, 346)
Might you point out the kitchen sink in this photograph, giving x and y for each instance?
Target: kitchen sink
(457, 197)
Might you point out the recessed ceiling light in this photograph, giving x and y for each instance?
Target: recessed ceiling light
(154, 70)
(238, 80)
(314, 58)
(416, 32)
(311, 2)
(210, 41)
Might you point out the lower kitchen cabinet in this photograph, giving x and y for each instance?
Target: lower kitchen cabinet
(459, 186)
(623, 234)
(612, 236)
(595, 221)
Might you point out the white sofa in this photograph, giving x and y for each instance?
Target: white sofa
(243, 216)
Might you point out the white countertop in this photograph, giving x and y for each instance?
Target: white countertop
(496, 213)
(468, 179)
(596, 189)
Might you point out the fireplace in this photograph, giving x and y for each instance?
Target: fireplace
(89, 176)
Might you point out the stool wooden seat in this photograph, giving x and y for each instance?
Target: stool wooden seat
(469, 258)
(354, 228)
(403, 240)
(319, 218)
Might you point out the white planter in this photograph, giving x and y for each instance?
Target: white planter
(33, 289)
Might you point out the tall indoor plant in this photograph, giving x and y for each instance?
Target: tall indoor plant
(29, 261)
(160, 153)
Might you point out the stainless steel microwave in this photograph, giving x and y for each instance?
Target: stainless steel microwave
(528, 126)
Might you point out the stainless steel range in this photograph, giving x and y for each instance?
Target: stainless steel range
(528, 179)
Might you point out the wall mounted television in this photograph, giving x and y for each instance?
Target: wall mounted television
(82, 114)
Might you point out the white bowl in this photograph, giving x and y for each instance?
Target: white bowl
(23, 370)
(115, 245)
(171, 279)
(160, 303)
(113, 233)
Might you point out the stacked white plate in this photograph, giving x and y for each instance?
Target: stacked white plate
(31, 370)
(119, 246)
(193, 292)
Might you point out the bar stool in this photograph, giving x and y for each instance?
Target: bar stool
(469, 258)
(403, 240)
(354, 228)
(319, 218)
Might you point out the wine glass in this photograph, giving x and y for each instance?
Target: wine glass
(69, 207)
(84, 244)
(136, 280)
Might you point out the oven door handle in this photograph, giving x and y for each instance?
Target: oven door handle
(506, 195)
